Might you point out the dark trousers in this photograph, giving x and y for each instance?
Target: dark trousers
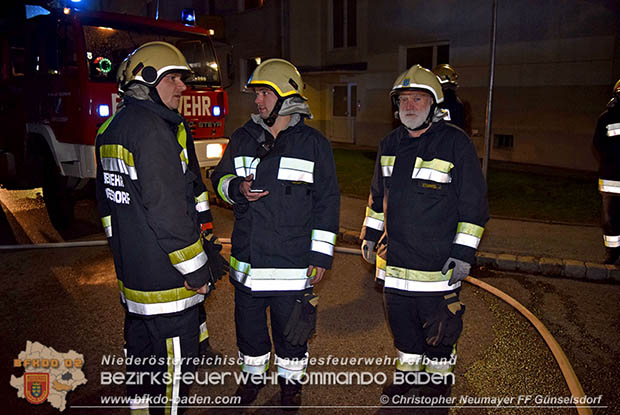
(611, 218)
(407, 315)
(165, 339)
(251, 325)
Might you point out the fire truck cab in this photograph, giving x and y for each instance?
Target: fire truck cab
(58, 85)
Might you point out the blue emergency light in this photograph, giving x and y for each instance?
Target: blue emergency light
(188, 17)
(216, 110)
(103, 110)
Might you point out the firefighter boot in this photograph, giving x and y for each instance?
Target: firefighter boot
(611, 255)
(248, 391)
(290, 393)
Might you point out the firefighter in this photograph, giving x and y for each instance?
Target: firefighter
(147, 197)
(452, 104)
(280, 178)
(607, 146)
(427, 208)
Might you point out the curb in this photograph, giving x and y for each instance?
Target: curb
(550, 267)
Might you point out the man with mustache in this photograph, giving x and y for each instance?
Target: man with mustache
(427, 210)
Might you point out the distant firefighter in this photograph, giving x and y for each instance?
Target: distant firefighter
(607, 146)
(457, 112)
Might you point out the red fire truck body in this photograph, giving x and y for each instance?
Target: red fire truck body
(58, 85)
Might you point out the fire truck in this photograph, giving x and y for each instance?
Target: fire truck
(58, 85)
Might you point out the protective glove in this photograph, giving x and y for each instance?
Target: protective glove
(302, 322)
(367, 251)
(218, 266)
(460, 270)
(446, 325)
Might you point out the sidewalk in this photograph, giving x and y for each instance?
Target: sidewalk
(563, 250)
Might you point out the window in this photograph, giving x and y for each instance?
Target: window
(503, 141)
(344, 21)
(247, 69)
(427, 56)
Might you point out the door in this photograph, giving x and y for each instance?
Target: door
(344, 110)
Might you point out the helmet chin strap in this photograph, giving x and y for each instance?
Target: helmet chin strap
(270, 121)
(428, 121)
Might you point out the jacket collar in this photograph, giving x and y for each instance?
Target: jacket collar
(170, 116)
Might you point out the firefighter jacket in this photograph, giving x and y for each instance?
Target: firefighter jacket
(454, 107)
(146, 197)
(277, 237)
(607, 145)
(428, 200)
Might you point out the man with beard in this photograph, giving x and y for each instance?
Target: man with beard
(427, 210)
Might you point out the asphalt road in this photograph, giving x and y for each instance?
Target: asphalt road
(68, 299)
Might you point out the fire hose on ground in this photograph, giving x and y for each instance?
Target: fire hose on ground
(570, 377)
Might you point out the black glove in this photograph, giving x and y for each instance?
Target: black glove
(218, 266)
(446, 325)
(302, 322)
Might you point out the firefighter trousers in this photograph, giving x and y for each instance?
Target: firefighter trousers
(253, 334)
(407, 315)
(611, 225)
(159, 351)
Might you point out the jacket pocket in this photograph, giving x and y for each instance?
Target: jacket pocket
(295, 205)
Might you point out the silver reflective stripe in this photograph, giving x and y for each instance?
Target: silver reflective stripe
(432, 175)
(106, 221)
(119, 166)
(191, 265)
(161, 308)
(296, 170)
(613, 129)
(609, 186)
(467, 240)
(202, 206)
(255, 364)
(373, 223)
(323, 242)
(441, 365)
(421, 286)
(222, 189)
(612, 241)
(291, 368)
(322, 247)
(408, 362)
(387, 165)
(246, 165)
(204, 333)
(175, 366)
(380, 265)
(239, 270)
(380, 274)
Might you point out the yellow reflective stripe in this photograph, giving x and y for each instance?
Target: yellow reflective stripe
(105, 125)
(435, 164)
(186, 253)
(170, 358)
(182, 139)
(372, 214)
(258, 82)
(416, 275)
(291, 368)
(388, 160)
(204, 333)
(387, 165)
(441, 365)
(156, 297)
(116, 151)
(470, 229)
(117, 158)
(106, 221)
(222, 187)
(203, 197)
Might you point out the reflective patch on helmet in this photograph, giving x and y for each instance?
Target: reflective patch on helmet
(406, 82)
